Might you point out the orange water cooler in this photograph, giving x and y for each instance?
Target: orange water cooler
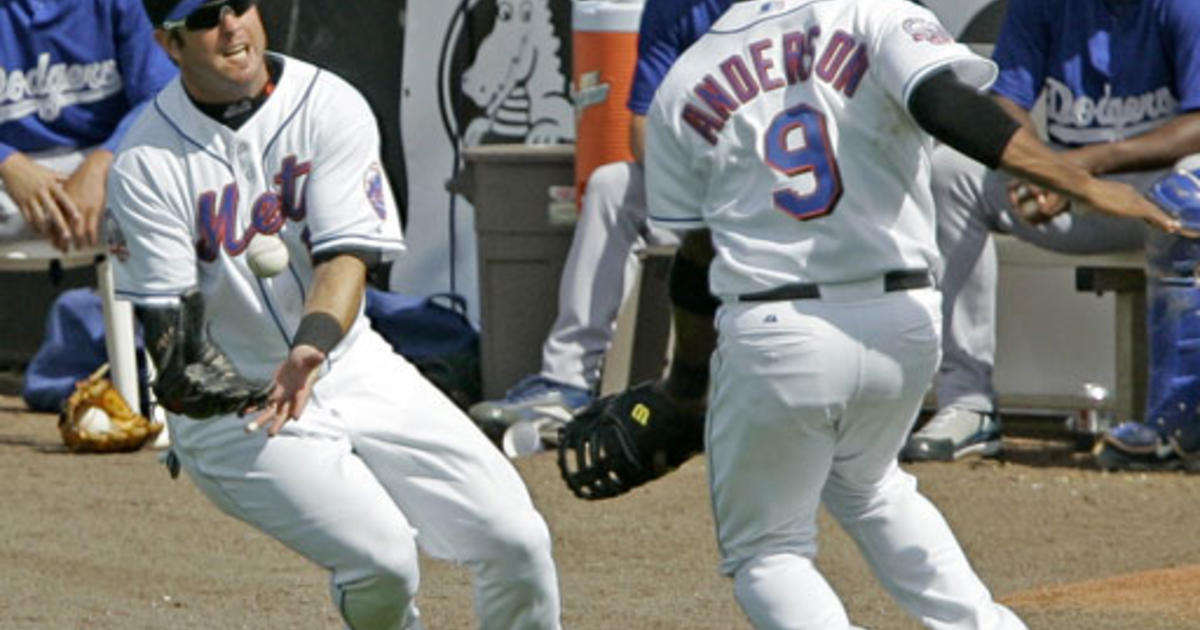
(604, 51)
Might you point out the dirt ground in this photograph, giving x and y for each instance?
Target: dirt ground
(113, 542)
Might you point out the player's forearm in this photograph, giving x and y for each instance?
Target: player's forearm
(695, 336)
(637, 137)
(6, 151)
(338, 287)
(1018, 113)
(195, 377)
(1150, 151)
(1027, 157)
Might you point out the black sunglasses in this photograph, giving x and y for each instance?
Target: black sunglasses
(209, 15)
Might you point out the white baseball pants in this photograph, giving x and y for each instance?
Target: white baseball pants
(812, 401)
(382, 463)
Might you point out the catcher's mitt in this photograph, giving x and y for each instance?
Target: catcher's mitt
(96, 419)
(624, 440)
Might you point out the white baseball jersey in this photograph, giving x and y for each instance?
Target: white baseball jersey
(784, 131)
(787, 125)
(380, 461)
(188, 194)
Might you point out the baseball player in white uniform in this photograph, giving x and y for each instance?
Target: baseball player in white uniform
(362, 461)
(795, 132)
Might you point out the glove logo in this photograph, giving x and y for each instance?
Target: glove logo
(640, 414)
(610, 447)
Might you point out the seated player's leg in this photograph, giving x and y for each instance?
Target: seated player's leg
(969, 199)
(971, 203)
(1169, 436)
(598, 272)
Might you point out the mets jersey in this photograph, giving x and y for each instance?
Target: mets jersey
(1114, 69)
(187, 195)
(784, 130)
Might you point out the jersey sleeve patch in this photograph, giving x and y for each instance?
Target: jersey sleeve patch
(925, 30)
(373, 186)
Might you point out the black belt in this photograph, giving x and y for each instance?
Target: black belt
(898, 280)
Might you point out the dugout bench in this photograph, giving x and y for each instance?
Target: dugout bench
(1064, 321)
(119, 337)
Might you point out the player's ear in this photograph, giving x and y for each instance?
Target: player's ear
(170, 41)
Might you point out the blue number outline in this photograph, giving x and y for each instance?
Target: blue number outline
(815, 157)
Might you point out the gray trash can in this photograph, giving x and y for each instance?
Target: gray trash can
(524, 222)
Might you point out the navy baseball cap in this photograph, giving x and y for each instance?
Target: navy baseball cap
(160, 11)
(172, 13)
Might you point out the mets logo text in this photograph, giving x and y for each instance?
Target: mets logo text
(217, 222)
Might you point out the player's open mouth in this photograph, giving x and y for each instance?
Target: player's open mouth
(236, 51)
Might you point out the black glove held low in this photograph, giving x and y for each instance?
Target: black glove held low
(625, 440)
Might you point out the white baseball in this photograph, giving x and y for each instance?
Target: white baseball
(266, 255)
(95, 421)
(1029, 206)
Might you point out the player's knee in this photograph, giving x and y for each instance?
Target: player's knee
(850, 500)
(745, 560)
(523, 542)
(378, 595)
(608, 185)
(1189, 163)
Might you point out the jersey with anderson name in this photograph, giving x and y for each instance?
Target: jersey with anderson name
(784, 130)
(188, 194)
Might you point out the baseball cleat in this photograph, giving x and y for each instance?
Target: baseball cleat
(534, 398)
(953, 433)
(1137, 446)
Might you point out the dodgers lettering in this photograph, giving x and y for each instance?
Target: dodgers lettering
(756, 70)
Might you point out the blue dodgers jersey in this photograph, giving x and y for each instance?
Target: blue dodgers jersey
(667, 28)
(71, 72)
(1111, 69)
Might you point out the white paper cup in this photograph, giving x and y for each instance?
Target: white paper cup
(521, 439)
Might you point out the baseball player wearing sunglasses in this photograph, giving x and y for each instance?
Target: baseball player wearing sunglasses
(345, 454)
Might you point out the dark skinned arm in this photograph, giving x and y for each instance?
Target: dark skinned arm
(695, 338)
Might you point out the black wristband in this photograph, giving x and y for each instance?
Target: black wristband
(371, 258)
(688, 284)
(319, 330)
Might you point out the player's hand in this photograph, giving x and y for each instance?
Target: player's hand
(292, 386)
(1035, 204)
(86, 187)
(1123, 200)
(39, 194)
